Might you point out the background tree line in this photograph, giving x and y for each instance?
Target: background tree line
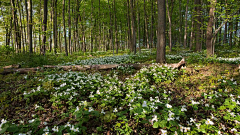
(69, 26)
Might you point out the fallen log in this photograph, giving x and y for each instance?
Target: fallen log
(20, 70)
(12, 66)
(5, 71)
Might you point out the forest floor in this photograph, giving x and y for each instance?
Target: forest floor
(201, 98)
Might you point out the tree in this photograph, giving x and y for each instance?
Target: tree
(17, 34)
(30, 26)
(209, 42)
(161, 40)
(44, 27)
(55, 25)
(185, 31)
(133, 29)
(64, 29)
(198, 24)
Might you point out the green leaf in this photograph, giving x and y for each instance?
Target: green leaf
(155, 125)
(4, 128)
(163, 123)
(12, 128)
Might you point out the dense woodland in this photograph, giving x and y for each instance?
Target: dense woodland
(131, 67)
(69, 26)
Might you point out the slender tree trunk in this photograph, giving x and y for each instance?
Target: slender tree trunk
(139, 45)
(44, 27)
(129, 26)
(115, 25)
(64, 29)
(110, 28)
(161, 39)
(55, 25)
(7, 29)
(83, 33)
(209, 41)
(30, 26)
(230, 32)
(180, 23)
(26, 31)
(185, 31)
(17, 35)
(69, 27)
(76, 21)
(146, 24)
(39, 28)
(21, 27)
(236, 29)
(51, 27)
(192, 39)
(198, 25)
(133, 30)
(170, 27)
(226, 26)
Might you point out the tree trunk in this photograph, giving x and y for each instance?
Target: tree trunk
(115, 25)
(17, 35)
(231, 32)
(146, 25)
(236, 29)
(133, 30)
(139, 45)
(185, 31)
(170, 27)
(226, 26)
(198, 24)
(209, 41)
(192, 39)
(55, 25)
(30, 26)
(69, 27)
(110, 28)
(44, 28)
(161, 40)
(129, 26)
(64, 29)
(21, 27)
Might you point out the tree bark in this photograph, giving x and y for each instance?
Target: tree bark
(170, 27)
(198, 24)
(55, 25)
(185, 31)
(115, 25)
(64, 29)
(146, 25)
(17, 35)
(69, 27)
(44, 27)
(133, 29)
(209, 41)
(30, 26)
(161, 40)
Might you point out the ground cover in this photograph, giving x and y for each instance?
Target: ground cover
(152, 100)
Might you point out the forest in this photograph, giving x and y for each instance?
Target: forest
(119, 67)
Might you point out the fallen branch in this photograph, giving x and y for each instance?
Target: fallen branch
(10, 70)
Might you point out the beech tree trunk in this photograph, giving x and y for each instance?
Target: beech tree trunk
(55, 25)
(209, 41)
(17, 34)
(133, 29)
(170, 26)
(185, 31)
(198, 25)
(64, 29)
(161, 40)
(44, 28)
